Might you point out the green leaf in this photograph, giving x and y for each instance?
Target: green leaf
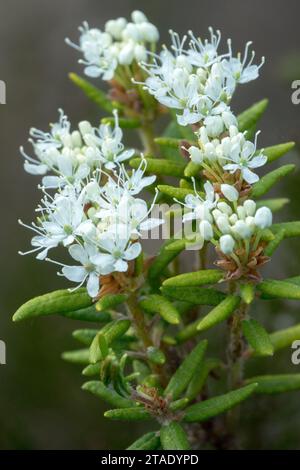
(185, 243)
(158, 304)
(271, 289)
(173, 437)
(106, 336)
(292, 229)
(274, 204)
(88, 314)
(128, 414)
(274, 244)
(155, 355)
(58, 302)
(196, 278)
(277, 151)
(192, 169)
(194, 295)
(257, 337)
(215, 406)
(270, 384)
(92, 369)
(196, 384)
(78, 356)
(187, 332)
(158, 166)
(250, 116)
(163, 258)
(220, 313)
(110, 301)
(171, 191)
(149, 441)
(270, 179)
(184, 184)
(85, 336)
(94, 94)
(107, 394)
(284, 338)
(185, 372)
(179, 404)
(124, 123)
(170, 142)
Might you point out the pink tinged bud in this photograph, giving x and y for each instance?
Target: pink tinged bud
(263, 217)
(227, 244)
(230, 192)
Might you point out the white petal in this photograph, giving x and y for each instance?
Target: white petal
(249, 176)
(93, 284)
(133, 251)
(78, 253)
(74, 273)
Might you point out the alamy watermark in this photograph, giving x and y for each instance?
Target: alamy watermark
(296, 353)
(2, 92)
(295, 97)
(2, 353)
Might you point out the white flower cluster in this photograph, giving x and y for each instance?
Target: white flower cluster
(199, 81)
(121, 43)
(233, 152)
(224, 222)
(94, 213)
(73, 155)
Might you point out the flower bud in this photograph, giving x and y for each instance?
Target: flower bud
(217, 213)
(214, 125)
(263, 217)
(241, 229)
(132, 32)
(250, 222)
(116, 27)
(140, 53)
(195, 154)
(138, 16)
(250, 207)
(227, 244)
(148, 32)
(76, 139)
(126, 54)
(225, 208)
(85, 128)
(241, 212)
(229, 192)
(233, 219)
(206, 230)
(223, 224)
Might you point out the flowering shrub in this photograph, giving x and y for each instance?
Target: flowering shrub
(148, 354)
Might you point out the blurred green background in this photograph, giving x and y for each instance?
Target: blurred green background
(41, 404)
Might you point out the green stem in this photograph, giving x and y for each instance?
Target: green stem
(147, 138)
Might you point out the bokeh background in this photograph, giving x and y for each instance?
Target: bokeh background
(41, 404)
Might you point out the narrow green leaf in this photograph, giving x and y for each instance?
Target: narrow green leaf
(124, 123)
(54, 303)
(171, 191)
(257, 337)
(194, 295)
(215, 406)
(270, 384)
(274, 244)
(149, 441)
(85, 336)
(220, 313)
(179, 404)
(173, 437)
(92, 369)
(158, 304)
(274, 204)
(250, 116)
(196, 384)
(196, 278)
(155, 355)
(185, 243)
(270, 179)
(181, 378)
(284, 338)
(292, 229)
(185, 184)
(128, 414)
(158, 166)
(110, 332)
(94, 94)
(110, 301)
(192, 169)
(89, 314)
(271, 289)
(78, 356)
(277, 151)
(107, 394)
(170, 142)
(187, 332)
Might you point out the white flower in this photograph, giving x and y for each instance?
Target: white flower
(227, 244)
(206, 230)
(238, 68)
(263, 217)
(198, 207)
(243, 157)
(241, 230)
(250, 207)
(230, 192)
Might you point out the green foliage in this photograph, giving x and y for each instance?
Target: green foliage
(173, 437)
(271, 384)
(271, 289)
(196, 278)
(249, 118)
(194, 295)
(257, 337)
(107, 394)
(128, 414)
(158, 304)
(270, 179)
(277, 151)
(161, 167)
(149, 441)
(284, 338)
(220, 313)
